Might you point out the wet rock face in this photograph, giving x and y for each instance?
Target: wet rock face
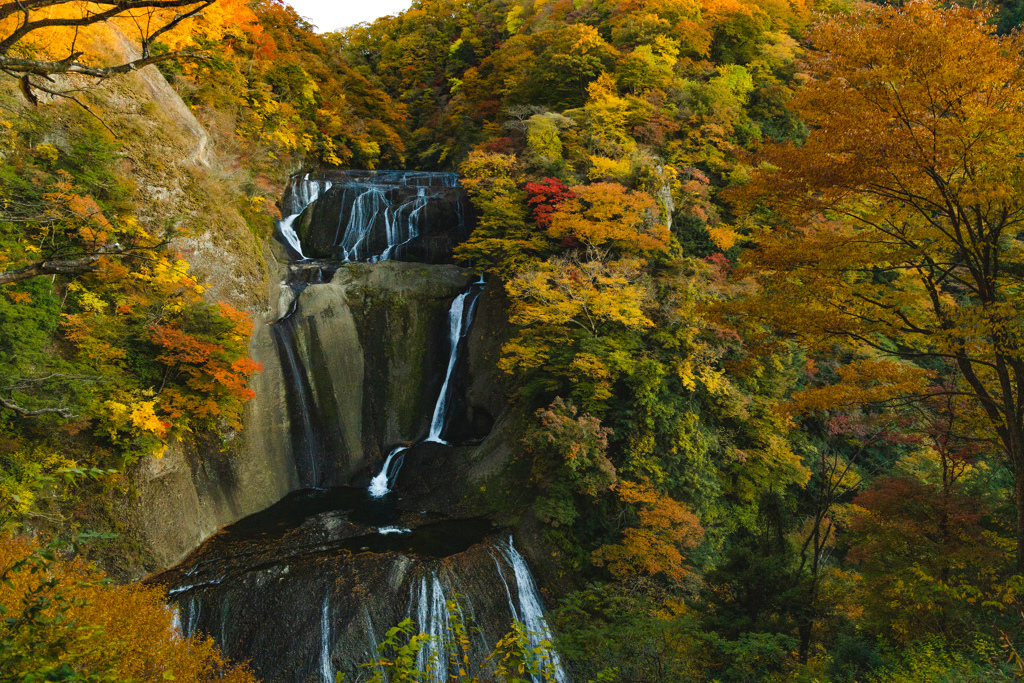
(379, 215)
(310, 586)
(368, 359)
(363, 355)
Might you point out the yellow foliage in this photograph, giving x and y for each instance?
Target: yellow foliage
(125, 631)
(609, 214)
(654, 545)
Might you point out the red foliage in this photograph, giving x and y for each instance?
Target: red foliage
(210, 381)
(721, 266)
(545, 197)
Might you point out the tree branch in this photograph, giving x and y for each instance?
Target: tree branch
(38, 67)
(24, 412)
(74, 266)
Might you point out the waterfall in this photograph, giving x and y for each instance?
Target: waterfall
(192, 619)
(374, 643)
(326, 669)
(531, 612)
(381, 215)
(297, 382)
(375, 207)
(303, 588)
(225, 610)
(432, 618)
(176, 623)
(303, 193)
(460, 318)
(458, 327)
(379, 484)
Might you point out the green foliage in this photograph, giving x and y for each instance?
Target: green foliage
(99, 364)
(514, 659)
(928, 661)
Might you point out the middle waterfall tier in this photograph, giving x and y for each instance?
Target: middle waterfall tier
(372, 358)
(376, 215)
(460, 320)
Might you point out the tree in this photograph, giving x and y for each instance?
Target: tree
(609, 214)
(928, 564)
(578, 314)
(654, 544)
(897, 218)
(64, 621)
(20, 22)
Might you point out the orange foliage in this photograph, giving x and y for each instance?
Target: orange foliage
(655, 545)
(211, 380)
(91, 626)
(609, 214)
(862, 382)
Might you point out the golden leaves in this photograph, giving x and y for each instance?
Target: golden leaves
(654, 545)
(861, 382)
(609, 214)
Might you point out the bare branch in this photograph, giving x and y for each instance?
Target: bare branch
(24, 412)
(26, 89)
(38, 67)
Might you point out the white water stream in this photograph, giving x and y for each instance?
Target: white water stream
(531, 611)
(460, 318)
(326, 668)
(455, 323)
(304, 192)
(382, 219)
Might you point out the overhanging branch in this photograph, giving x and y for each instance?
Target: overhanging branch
(74, 266)
(24, 412)
(38, 67)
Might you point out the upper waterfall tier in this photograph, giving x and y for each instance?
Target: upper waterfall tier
(375, 215)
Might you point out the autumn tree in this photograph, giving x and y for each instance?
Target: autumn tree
(23, 25)
(578, 314)
(570, 458)
(897, 220)
(65, 621)
(608, 214)
(928, 563)
(654, 544)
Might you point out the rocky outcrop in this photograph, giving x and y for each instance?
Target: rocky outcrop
(334, 572)
(372, 344)
(373, 340)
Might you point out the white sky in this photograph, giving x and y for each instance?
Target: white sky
(329, 15)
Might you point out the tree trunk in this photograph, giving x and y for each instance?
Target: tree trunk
(1018, 487)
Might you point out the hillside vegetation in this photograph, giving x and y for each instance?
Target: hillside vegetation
(764, 276)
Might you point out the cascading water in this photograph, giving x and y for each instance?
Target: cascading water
(460, 319)
(375, 216)
(297, 385)
(303, 192)
(432, 619)
(531, 612)
(326, 668)
(324, 566)
(380, 484)
(267, 575)
(374, 209)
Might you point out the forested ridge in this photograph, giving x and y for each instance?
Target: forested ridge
(763, 276)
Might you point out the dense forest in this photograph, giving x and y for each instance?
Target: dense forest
(760, 260)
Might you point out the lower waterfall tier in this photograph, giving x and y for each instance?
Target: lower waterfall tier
(310, 586)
